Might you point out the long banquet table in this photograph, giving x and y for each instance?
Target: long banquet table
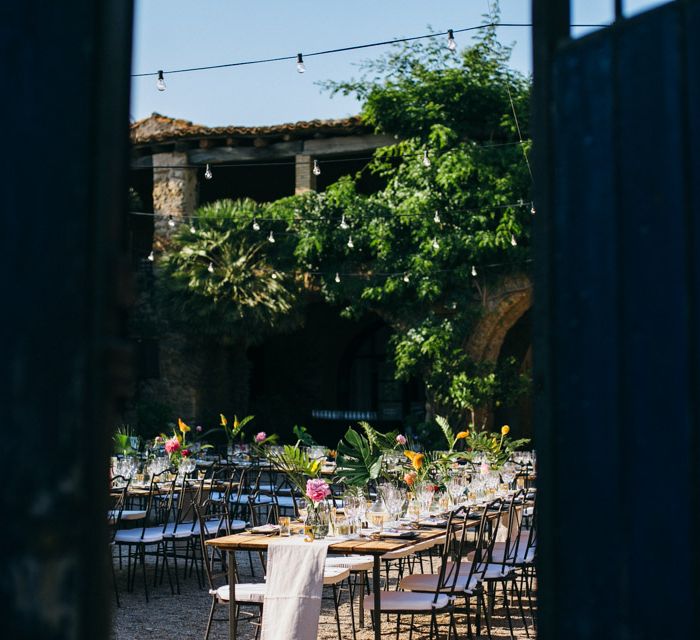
(363, 546)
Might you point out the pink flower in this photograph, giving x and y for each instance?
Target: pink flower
(485, 468)
(401, 439)
(259, 437)
(186, 453)
(172, 445)
(317, 489)
(199, 429)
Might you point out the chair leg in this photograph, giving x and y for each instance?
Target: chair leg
(506, 606)
(142, 555)
(211, 617)
(336, 604)
(518, 595)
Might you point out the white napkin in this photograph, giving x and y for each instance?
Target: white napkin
(292, 605)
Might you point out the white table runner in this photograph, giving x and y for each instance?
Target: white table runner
(292, 604)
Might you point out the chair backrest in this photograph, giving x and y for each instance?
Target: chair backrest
(119, 492)
(513, 542)
(160, 506)
(453, 551)
(486, 536)
(205, 512)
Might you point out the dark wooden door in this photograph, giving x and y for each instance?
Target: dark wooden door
(616, 323)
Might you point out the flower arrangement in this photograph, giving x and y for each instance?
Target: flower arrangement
(317, 490)
(498, 447)
(236, 428)
(177, 446)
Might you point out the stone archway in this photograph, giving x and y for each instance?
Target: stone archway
(504, 306)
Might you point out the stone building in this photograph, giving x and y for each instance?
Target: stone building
(333, 370)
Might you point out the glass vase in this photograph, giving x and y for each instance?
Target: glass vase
(317, 519)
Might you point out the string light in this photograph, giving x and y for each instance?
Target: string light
(271, 237)
(160, 82)
(436, 244)
(151, 257)
(436, 218)
(171, 222)
(210, 268)
(451, 44)
(368, 45)
(473, 271)
(351, 244)
(256, 226)
(513, 241)
(207, 173)
(406, 277)
(316, 169)
(274, 276)
(343, 225)
(426, 159)
(337, 277)
(532, 209)
(301, 67)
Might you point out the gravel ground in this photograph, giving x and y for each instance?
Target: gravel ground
(184, 616)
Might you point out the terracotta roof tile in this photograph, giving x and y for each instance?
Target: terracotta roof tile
(159, 128)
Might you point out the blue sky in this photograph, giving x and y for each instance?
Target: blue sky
(185, 33)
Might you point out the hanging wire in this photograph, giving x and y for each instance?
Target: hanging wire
(356, 47)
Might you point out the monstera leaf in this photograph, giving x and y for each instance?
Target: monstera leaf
(359, 461)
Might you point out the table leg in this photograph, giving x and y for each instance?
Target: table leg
(376, 587)
(231, 601)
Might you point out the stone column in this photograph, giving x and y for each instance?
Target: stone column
(174, 193)
(304, 179)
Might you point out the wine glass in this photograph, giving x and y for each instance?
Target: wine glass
(376, 515)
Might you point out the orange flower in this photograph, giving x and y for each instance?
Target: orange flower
(183, 427)
(409, 478)
(505, 430)
(410, 454)
(418, 461)
(461, 434)
(224, 422)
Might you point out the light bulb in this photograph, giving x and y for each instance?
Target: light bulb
(532, 210)
(210, 268)
(343, 224)
(436, 244)
(513, 241)
(300, 63)
(274, 276)
(474, 271)
(406, 278)
(337, 277)
(207, 173)
(192, 229)
(426, 159)
(171, 222)
(256, 226)
(436, 218)
(160, 82)
(351, 244)
(151, 257)
(271, 237)
(451, 44)
(317, 169)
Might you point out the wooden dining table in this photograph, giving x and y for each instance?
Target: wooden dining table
(357, 545)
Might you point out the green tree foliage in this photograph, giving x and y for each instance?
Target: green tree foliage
(221, 282)
(415, 244)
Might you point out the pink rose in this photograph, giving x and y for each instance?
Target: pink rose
(401, 439)
(317, 489)
(172, 445)
(259, 437)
